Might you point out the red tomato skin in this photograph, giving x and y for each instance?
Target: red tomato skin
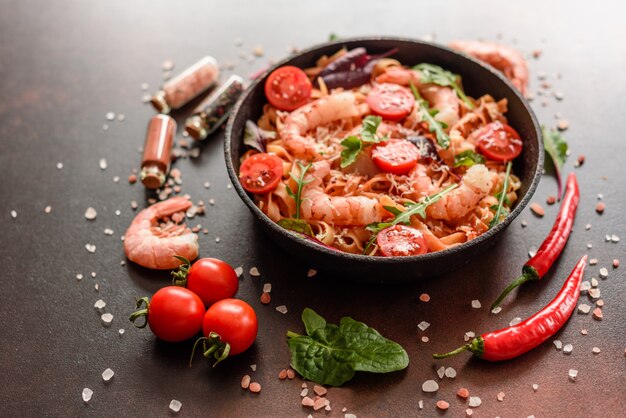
(397, 156)
(391, 101)
(175, 314)
(288, 88)
(401, 240)
(212, 280)
(261, 173)
(235, 321)
(498, 141)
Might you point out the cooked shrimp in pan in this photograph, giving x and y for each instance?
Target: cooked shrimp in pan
(503, 58)
(153, 239)
(361, 152)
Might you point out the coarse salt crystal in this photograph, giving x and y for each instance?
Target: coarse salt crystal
(175, 406)
(595, 350)
(87, 394)
(441, 372)
(430, 386)
(91, 248)
(588, 227)
(420, 404)
(118, 212)
(79, 276)
(469, 412)
(13, 214)
(593, 261)
(558, 344)
(568, 348)
(475, 401)
(121, 331)
(584, 308)
(349, 416)
(423, 326)
(320, 390)
(253, 367)
(110, 116)
(594, 282)
(469, 335)
(103, 164)
(604, 273)
(304, 392)
(594, 293)
(100, 305)
(476, 304)
(425, 297)
(572, 374)
(107, 375)
(311, 273)
(532, 252)
(496, 310)
(90, 213)
(614, 238)
(254, 272)
(585, 286)
(108, 231)
(93, 274)
(500, 396)
(450, 373)
(48, 209)
(535, 387)
(425, 339)
(239, 271)
(267, 288)
(282, 309)
(60, 166)
(106, 318)
(515, 321)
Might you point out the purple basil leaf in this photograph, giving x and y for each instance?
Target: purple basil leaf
(255, 137)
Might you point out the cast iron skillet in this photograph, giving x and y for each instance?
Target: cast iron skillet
(478, 79)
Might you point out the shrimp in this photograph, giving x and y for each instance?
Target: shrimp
(319, 112)
(152, 245)
(339, 210)
(503, 58)
(443, 99)
(474, 186)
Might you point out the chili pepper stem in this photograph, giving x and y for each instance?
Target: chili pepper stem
(453, 352)
(515, 283)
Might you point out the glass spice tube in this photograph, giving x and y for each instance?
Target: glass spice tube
(184, 87)
(214, 110)
(156, 160)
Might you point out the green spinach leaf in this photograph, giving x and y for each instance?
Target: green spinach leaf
(556, 148)
(331, 354)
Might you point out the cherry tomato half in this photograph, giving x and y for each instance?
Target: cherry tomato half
(391, 101)
(212, 280)
(261, 173)
(175, 314)
(498, 141)
(288, 88)
(400, 240)
(397, 156)
(234, 321)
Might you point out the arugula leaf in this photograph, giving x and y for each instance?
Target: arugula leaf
(297, 196)
(431, 73)
(499, 214)
(556, 148)
(418, 208)
(428, 115)
(255, 137)
(468, 158)
(353, 145)
(331, 354)
(297, 225)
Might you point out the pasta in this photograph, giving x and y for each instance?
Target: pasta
(339, 200)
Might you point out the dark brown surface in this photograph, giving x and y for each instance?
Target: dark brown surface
(65, 64)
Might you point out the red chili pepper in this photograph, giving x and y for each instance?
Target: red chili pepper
(511, 342)
(553, 245)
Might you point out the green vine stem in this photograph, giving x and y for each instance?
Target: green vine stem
(140, 312)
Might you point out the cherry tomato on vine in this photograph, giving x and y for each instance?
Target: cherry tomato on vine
(401, 240)
(234, 321)
(288, 88)
(391, 101)
(260, 173)
(173, 314)
(397, 156)
(498, 141)
(209, 278)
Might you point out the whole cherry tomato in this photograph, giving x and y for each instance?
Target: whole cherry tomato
(209, 278)
(173, 314)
